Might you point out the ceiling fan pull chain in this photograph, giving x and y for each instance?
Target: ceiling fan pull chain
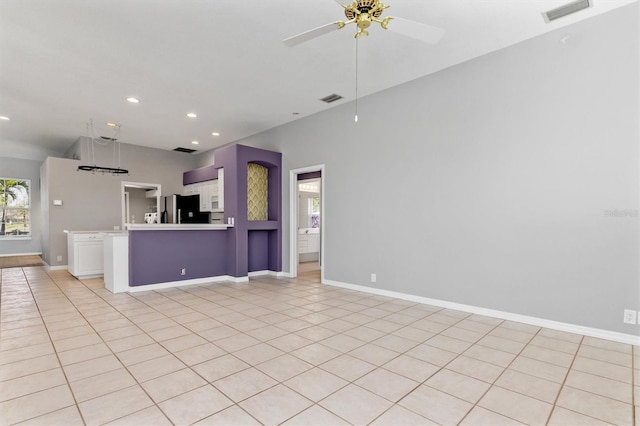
(356, 117)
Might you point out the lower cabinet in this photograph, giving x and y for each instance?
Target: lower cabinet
(85, 252)
(308, 247)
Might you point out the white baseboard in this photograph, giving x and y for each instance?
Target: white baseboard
(539, 322)
(49, 268)
(269, 273)
(21, 254)
(195, 281)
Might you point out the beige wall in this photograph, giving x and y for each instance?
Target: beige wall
(93, 201)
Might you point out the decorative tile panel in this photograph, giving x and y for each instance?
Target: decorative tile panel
(257, 192)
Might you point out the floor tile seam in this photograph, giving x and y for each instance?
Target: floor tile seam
(57, 409)
(153, 403)
(594, 373)
(493, 383)
(564, 382)
(629, 365)
(599, 395)
(593, 346)
(35, 391)
(55, 351)
(26, 345)
(349, 382)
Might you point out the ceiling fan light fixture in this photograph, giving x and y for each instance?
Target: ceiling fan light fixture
(365, 12)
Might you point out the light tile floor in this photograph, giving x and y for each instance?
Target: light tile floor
(277, 351)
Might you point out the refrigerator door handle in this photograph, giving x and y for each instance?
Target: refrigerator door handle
(179, 216)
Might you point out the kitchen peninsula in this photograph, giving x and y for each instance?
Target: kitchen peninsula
(152, 256)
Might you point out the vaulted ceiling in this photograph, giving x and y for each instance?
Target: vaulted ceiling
(66, 62)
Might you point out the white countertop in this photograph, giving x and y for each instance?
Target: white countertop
(98, 231)
(178, 227)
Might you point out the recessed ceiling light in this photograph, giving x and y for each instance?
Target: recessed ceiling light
(2, 117)
(133, 100)
(192, 115)
(195, 142)
(111, 124)
(215, 134)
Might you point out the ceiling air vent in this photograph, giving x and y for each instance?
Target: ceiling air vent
(187, 150)
(567, 9)
(108, 139)
(331, 98)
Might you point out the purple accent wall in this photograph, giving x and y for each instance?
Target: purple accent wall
(158, 256)
(234, 159)
(202, 174)
(258, 246)
(310, 175)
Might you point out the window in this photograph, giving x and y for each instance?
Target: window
(15, 214)
(314, 211)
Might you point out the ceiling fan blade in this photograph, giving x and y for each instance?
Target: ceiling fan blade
(311, 34)
(416, 30)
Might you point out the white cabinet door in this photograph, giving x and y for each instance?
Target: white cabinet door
(85, 254)
(191, 189)
(313, 245)
(220, 189)
(303, 243)
(90, 258)
(203, 191)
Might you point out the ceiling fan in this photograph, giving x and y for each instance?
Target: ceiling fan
(365, 12)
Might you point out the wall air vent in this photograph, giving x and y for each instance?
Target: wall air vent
(331, 98)
(567, 9)
(187, 150)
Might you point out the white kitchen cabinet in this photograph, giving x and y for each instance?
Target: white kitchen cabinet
(313, 245)
(308, 243)
(191, 189)
(204, 190)
(303, 243)
(211, 193)
(85, 252)
(220, 190)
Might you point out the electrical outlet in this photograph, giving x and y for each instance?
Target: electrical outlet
(630, 316)
(373, 278)
(183, 271)
(59, 258)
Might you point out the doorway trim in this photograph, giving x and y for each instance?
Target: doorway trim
(124, 185)
(293, 218)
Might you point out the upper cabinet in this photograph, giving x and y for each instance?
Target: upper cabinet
(211, 193)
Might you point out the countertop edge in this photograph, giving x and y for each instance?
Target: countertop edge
(179, 227)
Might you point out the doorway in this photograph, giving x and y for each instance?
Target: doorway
(307, 223)
(140, 203)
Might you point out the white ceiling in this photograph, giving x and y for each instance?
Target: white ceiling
(65, 62)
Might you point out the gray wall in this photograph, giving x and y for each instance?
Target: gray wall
(490, 183)
(24, 169)
(93, 201)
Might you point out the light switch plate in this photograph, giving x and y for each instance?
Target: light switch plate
(57, 202)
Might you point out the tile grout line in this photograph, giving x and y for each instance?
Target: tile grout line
(244, 302)
(77, 407)
(564, 381)
(112, 352)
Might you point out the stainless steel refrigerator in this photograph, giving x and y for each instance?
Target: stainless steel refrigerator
(186, 209)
